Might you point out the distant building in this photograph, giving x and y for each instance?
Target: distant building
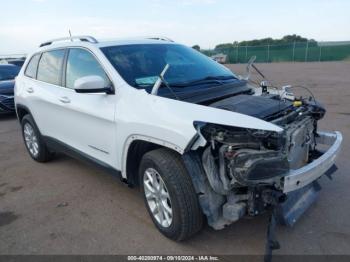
(220, 58)
(333, 43)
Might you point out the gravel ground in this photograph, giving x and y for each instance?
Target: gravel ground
(68, 207)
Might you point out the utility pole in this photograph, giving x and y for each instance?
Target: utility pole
(293, 51)
(307, 48)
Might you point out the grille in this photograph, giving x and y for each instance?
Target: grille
(8, 102)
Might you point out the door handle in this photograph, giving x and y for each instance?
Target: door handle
(64, 100)
(30, 90)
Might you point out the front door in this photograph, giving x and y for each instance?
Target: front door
(88, 119)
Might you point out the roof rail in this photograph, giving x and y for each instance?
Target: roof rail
(160, 38)
(83, 38)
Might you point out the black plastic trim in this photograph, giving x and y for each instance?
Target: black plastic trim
(17, 106)
(64, 68)
(107, 90)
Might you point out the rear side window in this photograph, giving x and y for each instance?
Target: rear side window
(32, 66)
(82, 63)
(50, 67)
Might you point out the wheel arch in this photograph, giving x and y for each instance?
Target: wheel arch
(135, 148)
(21, 111)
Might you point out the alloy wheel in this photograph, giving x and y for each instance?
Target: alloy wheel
(31, 139)
(158, 198)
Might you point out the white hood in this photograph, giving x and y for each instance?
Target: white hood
(171, 121)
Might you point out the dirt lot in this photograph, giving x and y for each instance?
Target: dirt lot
(67, 207)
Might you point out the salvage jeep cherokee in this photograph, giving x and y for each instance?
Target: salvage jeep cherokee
(200, 141)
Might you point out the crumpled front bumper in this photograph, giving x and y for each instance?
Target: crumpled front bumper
(301, 186)
(304, 176)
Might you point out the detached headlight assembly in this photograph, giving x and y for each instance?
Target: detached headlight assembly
(243, 156)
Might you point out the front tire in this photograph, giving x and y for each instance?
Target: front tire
(33, 140)
(169, 195)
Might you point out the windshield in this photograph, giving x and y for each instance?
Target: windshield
(8, 72)
(141, 64)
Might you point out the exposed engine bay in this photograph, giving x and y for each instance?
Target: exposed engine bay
(254, 156)
(245, 168)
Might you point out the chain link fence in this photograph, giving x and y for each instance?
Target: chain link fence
(289, 52)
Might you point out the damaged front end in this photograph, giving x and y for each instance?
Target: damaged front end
(244, 171)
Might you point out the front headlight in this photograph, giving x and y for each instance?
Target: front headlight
(244, 156)
(241, 137)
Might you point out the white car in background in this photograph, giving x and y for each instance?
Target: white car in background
(200, 141)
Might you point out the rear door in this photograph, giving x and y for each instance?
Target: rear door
(42, 88)
(88, 118)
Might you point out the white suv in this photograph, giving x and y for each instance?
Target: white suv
(199, 140)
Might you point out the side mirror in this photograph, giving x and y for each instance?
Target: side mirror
(92, 84)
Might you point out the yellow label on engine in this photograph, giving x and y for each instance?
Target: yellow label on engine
(297, 103)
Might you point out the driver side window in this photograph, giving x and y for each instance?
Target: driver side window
(82, 63)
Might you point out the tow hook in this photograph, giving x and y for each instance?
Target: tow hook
(275, 198)
(271, 241)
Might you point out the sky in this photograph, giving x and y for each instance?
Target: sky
(24, 24)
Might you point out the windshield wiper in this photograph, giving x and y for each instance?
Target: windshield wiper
(206, 80)
(162, 82)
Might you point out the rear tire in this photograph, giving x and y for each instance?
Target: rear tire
(33, 140)
(176, 201)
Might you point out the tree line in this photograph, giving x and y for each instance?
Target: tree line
(225, 47)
